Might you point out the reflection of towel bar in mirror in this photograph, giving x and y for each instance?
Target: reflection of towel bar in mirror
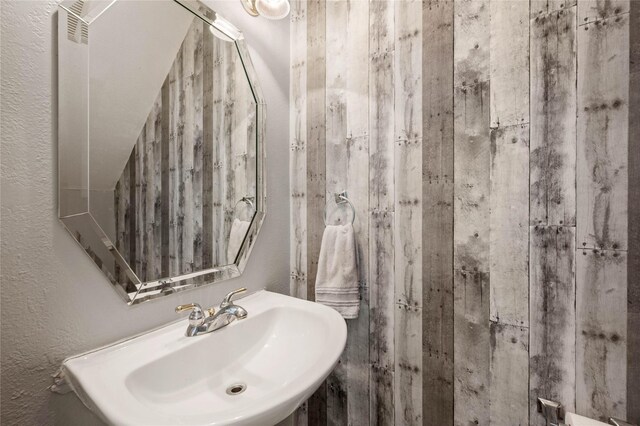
(341, 198)
(246, 200)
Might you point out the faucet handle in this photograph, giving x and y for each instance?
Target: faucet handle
(194, 306)
(227, 299)
(196, 317)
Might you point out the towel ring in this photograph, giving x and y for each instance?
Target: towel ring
(341, 198)
(248, 201)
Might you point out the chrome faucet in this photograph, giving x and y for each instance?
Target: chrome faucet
(202, 322)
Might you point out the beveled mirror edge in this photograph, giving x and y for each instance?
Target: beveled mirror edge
(149, 290)
(212, 18)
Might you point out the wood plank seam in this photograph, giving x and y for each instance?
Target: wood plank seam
(601, 20)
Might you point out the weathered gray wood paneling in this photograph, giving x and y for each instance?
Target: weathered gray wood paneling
(298, 164)
(509, 374)
(356, 149)
(229, 123)
(152, 228)
(381, 205)
(509, 285)
(140, 261)
(408, 212)
(509, 58)
(337, 162)
(452, 202)
(471, 254)
(218, 155)
(347, 168)
(164, 166)
(601, 333)
(237, 104)
(187, 119)
(593, 10)
(382, 312)
(552, 207)
(603, 93)
(196, 172)
(146, 230)
(602, 187)
(633, 259)
(175, 138)
(552, 318)
(553, 118)
(316, 164)
(509, 223)
(437, 214)
(381, 104)
(122, 208)
(471, 42)
(208, 141)
(509, 213)
(298, 155)
(471, 212)
(130, 224)
(316, 135)
(544, 7)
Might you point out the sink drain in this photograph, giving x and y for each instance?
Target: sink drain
(236, 389)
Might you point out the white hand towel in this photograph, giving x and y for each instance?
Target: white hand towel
(337, 279)
(236, 237)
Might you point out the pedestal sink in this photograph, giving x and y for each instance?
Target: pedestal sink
(255, 371)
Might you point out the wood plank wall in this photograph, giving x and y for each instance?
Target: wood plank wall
(633, 267)
(194, 159)
(487, 148)
(601, 222)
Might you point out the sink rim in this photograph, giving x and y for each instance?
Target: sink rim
(250, 351)
(85, 379)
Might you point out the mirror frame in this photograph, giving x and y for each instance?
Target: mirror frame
(80, 222)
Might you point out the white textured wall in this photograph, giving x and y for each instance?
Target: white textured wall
(55, 302)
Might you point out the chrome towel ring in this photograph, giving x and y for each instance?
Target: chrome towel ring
(249, 201)
(341, 198)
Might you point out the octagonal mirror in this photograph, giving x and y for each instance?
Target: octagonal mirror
(160, 145)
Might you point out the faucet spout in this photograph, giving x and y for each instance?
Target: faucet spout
(224, 317)
(227, 313)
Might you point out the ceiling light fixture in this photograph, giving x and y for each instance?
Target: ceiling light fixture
(270, 9)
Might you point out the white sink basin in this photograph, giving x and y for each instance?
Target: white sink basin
(281, 352)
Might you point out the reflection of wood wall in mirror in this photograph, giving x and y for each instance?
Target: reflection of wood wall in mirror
(194, 158)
